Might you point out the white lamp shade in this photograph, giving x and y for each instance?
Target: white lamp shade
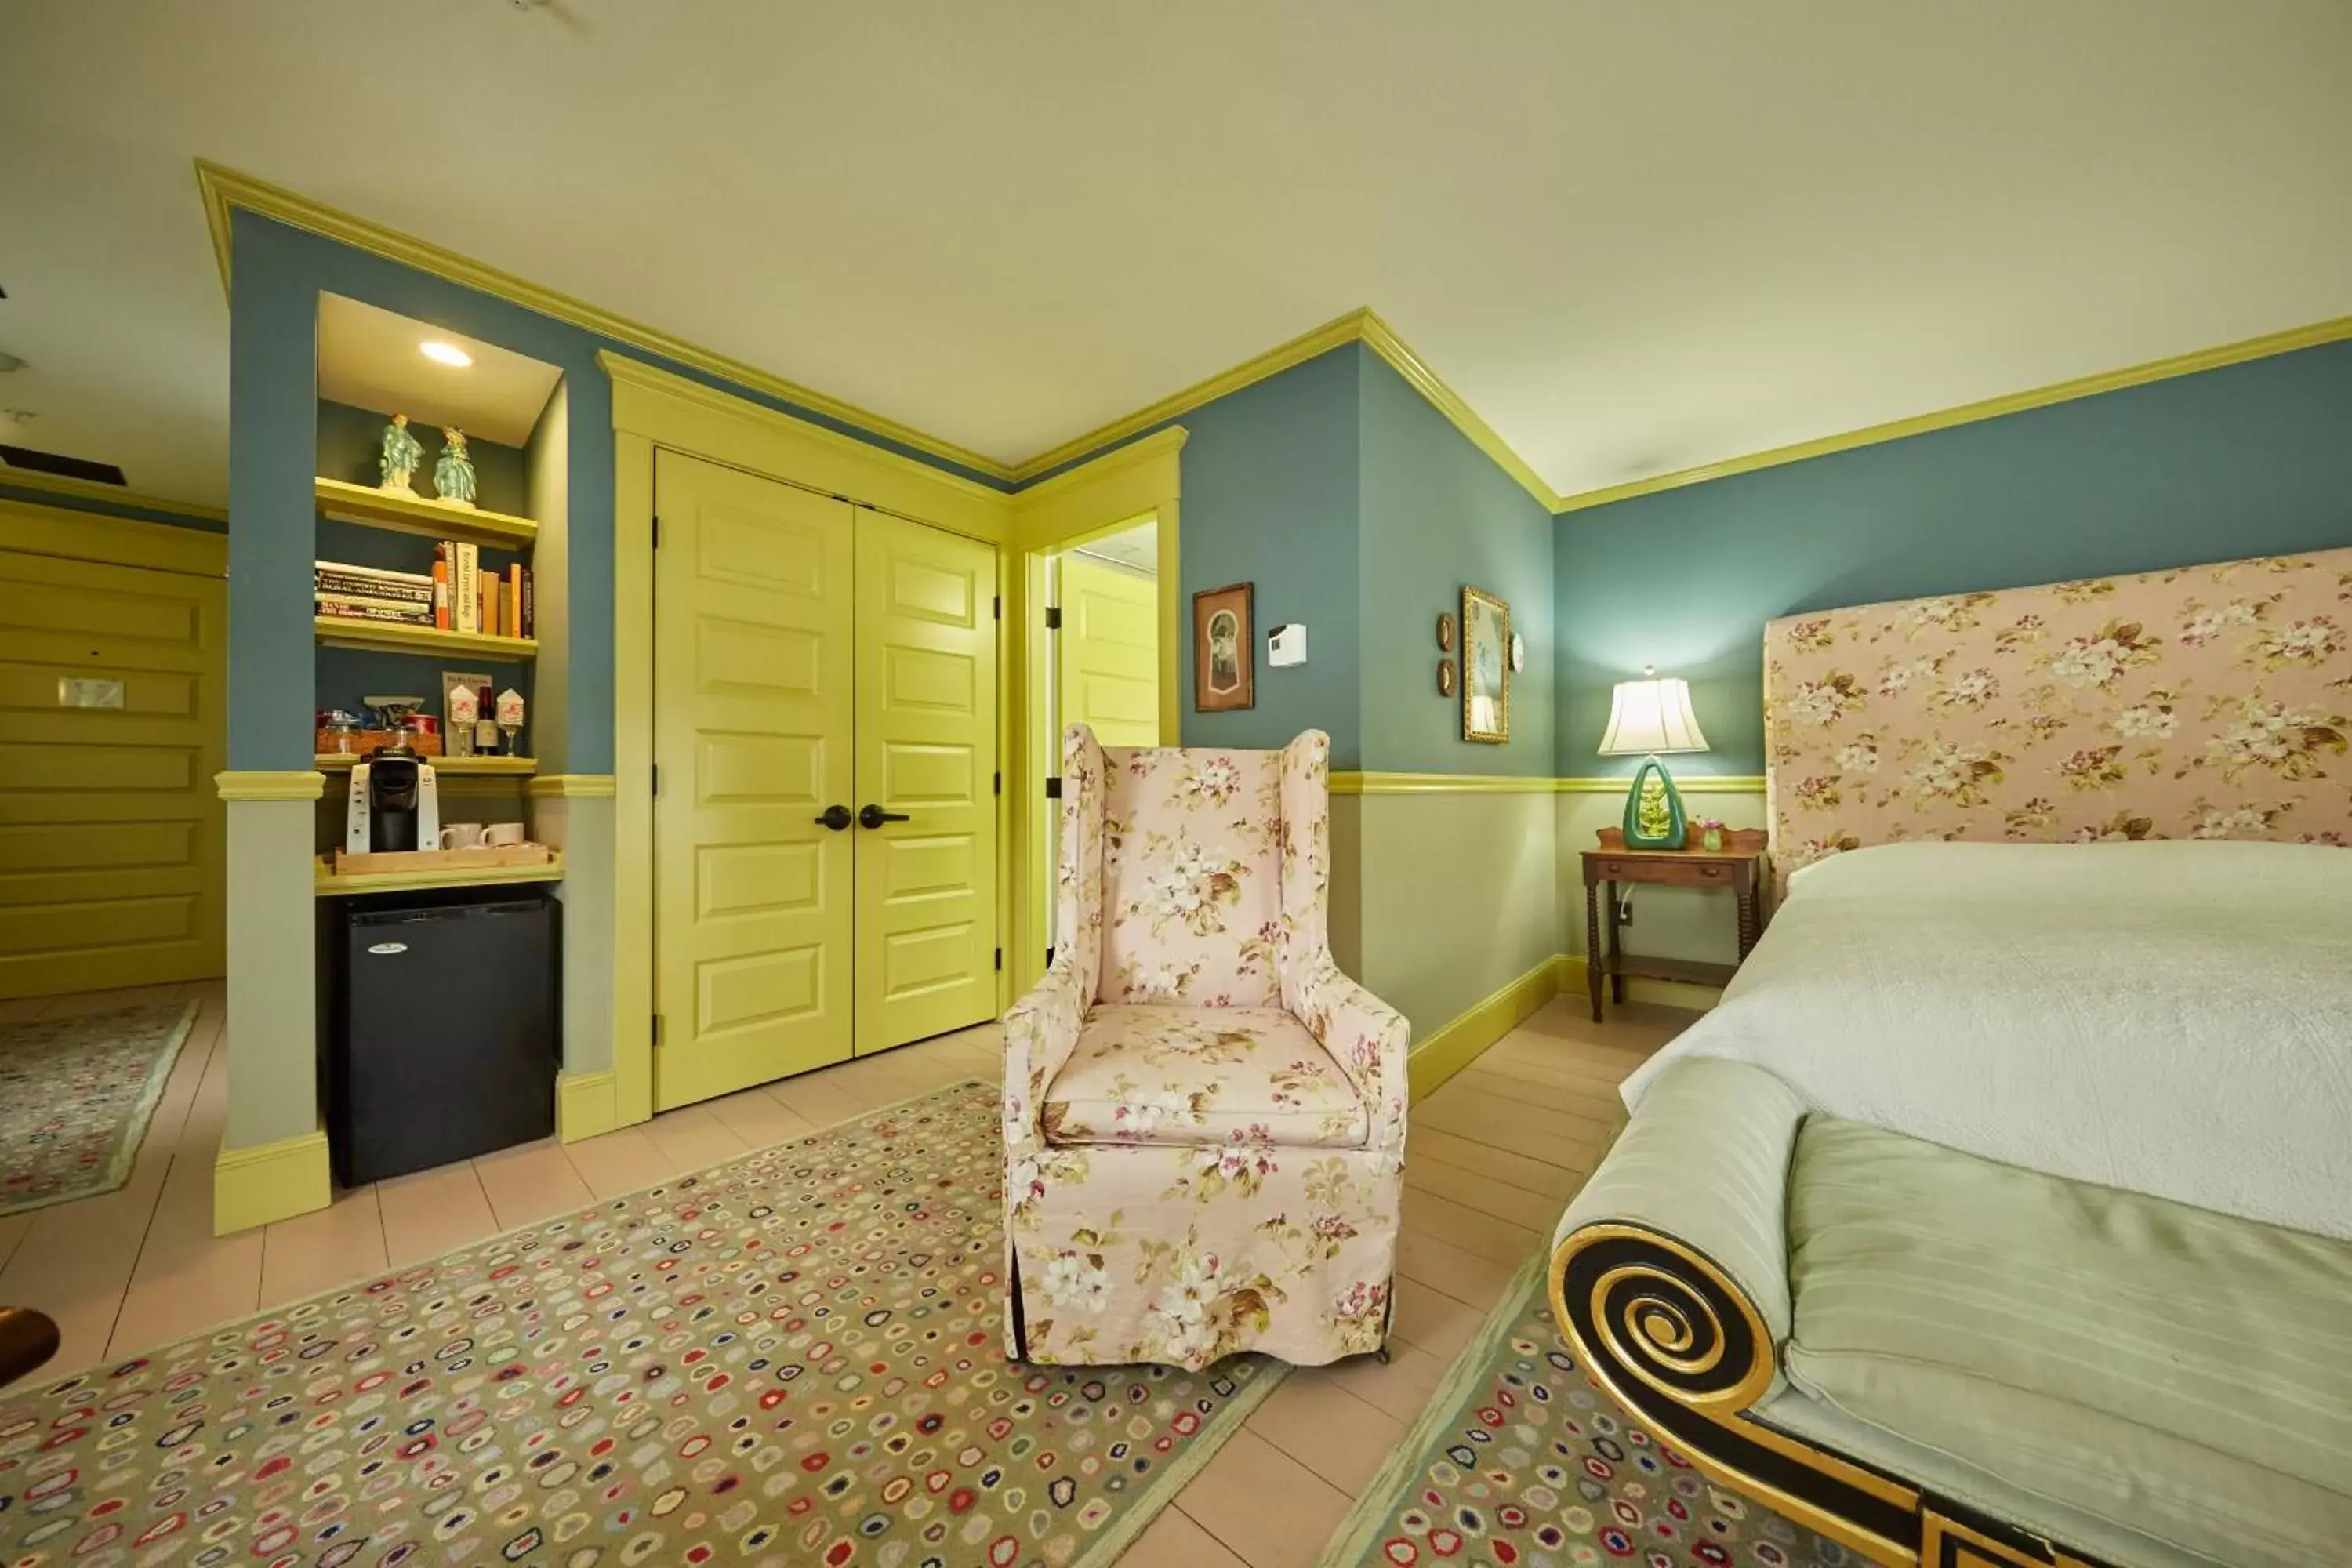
(1653, 715)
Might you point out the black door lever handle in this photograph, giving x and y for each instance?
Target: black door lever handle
(874, 817)
(835, 817)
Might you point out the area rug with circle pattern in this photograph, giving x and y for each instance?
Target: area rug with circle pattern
(76, 1094)
(1521, 1461)
(794, 1359)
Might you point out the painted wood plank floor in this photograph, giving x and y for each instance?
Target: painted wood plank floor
(1493, 1157)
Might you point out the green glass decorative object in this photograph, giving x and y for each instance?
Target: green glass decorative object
(1653, 809)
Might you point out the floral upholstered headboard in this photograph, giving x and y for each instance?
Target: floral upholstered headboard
(2206, 702)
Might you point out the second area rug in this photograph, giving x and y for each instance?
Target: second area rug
(76, 1094)
(1521, 1461)
(791, 1359)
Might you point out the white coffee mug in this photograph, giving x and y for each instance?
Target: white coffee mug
(501, 833)
(461, 836)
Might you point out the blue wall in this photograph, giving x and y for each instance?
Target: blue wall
(1271, 492)
(2252, 460)
(1439, 513)
(278, 273)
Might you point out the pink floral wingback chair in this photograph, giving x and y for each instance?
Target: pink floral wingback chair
(1203, 1119)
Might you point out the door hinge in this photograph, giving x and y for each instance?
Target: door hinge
(657, 779)
(996, 783)
(1053, 617)
(658, 1028)
(1000, 958)
(1053, 789)
(996, 608)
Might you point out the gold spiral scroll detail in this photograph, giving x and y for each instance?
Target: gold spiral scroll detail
(1645, 1313)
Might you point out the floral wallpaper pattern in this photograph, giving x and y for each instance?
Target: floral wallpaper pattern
(2204, 702)
(1203, 1118)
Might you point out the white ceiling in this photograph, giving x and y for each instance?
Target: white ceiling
(1138, 549)
(369, 358)
(1634, 237)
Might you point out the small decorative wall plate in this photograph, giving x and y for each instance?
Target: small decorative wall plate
(1445, 677)
(1446, 633)
(1518, 653)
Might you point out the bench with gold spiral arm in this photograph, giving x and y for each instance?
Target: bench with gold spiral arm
(1669, 1281)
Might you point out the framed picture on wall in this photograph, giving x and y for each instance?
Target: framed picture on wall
(1485, 667)
(1224, 650)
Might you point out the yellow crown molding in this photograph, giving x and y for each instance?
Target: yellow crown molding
(1382, 340)
(1690, 784)
(300, 783)
(224, 189)
(58, 484)
(266, 1182)
(2313, 336)
(571, 787)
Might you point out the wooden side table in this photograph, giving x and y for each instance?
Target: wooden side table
(1738, 866)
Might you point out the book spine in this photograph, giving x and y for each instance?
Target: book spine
(469, 588)
(491, 605)
(369, 602)
(361, 613)
(372, 573)
(399, 593)
(441, 585)
(530, 606)
(514, 601)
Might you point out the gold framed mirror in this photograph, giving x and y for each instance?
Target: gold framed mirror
(1485, 667)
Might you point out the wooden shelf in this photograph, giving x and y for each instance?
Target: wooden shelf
(1686, 971)
(373, 508)
(340, 631)
(514, 768)
(327, 884)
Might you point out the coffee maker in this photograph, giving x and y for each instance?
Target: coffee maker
(393, 805)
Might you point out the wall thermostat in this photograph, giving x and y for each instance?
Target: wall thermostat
(1287, 646)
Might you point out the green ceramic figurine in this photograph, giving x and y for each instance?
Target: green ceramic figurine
(401, 453)
(1653, 811)
(453, 472)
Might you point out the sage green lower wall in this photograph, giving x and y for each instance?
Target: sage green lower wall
(1668, 922)
(1458, 898)
(273, 1051)
(582, 827)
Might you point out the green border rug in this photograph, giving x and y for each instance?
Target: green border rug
(1521, 1461)
(75, 1096)
(794, 1358)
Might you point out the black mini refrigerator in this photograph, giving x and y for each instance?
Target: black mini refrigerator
(440, 1037)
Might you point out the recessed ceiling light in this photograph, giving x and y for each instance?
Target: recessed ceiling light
(446, 353)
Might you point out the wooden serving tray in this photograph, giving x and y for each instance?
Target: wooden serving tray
(346, 864)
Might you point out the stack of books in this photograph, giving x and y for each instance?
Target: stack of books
(465, 598)
(372, 594)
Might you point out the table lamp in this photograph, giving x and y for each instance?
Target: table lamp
(1646, 717)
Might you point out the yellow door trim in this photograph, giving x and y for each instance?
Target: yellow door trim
(652, 408)
(60, 531)
(296, 784)
(266, 1182)
(225, 190)
(585, 1105)
(1141, 482)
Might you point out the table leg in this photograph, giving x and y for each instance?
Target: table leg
(1616, 979)
(1748, 920)
(1592, 947)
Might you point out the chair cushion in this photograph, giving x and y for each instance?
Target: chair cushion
(2179, 1373)
(1200, 1075)
(1191, 877)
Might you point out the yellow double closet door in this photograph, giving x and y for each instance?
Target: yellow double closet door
(824, 816)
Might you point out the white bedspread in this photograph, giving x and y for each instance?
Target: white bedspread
(2175, 1018)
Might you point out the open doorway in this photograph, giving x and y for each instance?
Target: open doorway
(1102, 664)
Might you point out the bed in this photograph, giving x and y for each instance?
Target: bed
(2001, 1212)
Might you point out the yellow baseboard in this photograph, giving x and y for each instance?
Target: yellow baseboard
(269, 1181)
(585, 1105)
(1456, 1045)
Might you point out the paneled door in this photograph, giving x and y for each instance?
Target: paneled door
(111, 681)
(1109, 667)
(926, 781)
(753, 688)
